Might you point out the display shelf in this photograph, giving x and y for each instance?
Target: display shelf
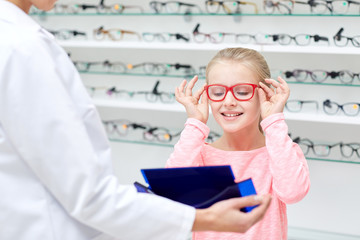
(210, 47)
(139, 74)
(142, 142)
(171, 145)
(322, 118)
(323, 83)
(171, 107)
(295, 233)
(203, 78)
(178, 108)
(195, 14)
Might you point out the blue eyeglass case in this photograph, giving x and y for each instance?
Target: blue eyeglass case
(199, 187)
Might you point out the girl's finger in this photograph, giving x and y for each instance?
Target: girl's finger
(198, 93)
(189, 87)
(268, 91)
(204, 98)
(182, 86)
(283, 84)
(273, 82)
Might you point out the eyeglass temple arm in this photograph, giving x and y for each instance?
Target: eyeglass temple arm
(133, 6)
(180, 36)
(338, 34)
(196, 29)
(131, 32)
(155, 90)
(251, 3)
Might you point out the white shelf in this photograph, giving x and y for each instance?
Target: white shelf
(171, 107)
(210, 47)
(178, 108)
(322, 118)
(295, 233)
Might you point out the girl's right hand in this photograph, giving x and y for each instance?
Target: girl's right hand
(194, 108)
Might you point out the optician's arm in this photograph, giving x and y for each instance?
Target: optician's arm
(41, 119)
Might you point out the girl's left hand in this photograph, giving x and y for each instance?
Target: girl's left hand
(273, 100)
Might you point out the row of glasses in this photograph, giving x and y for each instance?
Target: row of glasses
(319, 76)
(149, 68)
(260, 38)
(101, 8)
(347, 150)
(151, 96)
(117, 34)
(316, 6)
(330, 107)
(121, 128)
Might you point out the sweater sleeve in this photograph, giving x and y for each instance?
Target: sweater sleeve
(288, 165)
(187, 151)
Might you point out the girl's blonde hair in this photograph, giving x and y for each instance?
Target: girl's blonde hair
(248, 57)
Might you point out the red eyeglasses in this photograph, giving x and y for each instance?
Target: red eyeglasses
(241, 92)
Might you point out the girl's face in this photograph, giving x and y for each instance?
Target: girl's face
(233, 115)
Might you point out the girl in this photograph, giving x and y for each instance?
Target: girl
(255, 139)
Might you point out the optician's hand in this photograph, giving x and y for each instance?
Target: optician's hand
(194, 108)
(225, 216)
(273, 100)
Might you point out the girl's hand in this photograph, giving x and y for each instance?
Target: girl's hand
(273, 100)
(194, 108)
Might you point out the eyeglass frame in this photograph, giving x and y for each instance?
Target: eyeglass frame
(221, 3)
(108, 33)
(276, 5)
(168, 2)
(254, 86)
(302, 103)
(340, 106)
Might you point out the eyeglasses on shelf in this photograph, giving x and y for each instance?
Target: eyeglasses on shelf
(99, 8)
(161, 68)
(319, 76)
(282, 6)
(165, 36)
(121, 127)
(349, 109)
(66, 34)
(320, 150)
(174, 7)
(105, 66)
(342, 41)
(155, 95)
(299, 39)
(215, 37)
(121, 93)
(327, 6)
(348, 149)
(114, 34)
(297, 105)
(228, 7)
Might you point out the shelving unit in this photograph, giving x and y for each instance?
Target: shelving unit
(314, 125)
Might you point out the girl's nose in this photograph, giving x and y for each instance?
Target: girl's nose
(229, 99)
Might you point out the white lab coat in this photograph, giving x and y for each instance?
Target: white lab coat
(56, 180)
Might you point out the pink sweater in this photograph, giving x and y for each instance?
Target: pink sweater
(280, 169)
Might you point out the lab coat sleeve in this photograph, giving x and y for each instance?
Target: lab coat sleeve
(48, 132)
